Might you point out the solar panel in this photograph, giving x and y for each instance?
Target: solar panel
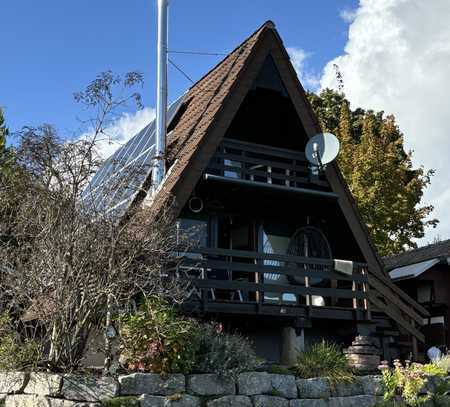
(117, 182)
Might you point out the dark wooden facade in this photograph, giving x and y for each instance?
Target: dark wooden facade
(237, 149)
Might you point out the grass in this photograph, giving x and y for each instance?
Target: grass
(324, 359)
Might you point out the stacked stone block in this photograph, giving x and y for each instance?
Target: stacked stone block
(363, 354)
(252, 389)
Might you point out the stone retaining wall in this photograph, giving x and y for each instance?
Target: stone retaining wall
(255, 389)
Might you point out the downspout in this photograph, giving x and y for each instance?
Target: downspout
(159, 165)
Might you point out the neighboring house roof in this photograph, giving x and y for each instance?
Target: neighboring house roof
(412, 270)
(208, 109)
(440, 250)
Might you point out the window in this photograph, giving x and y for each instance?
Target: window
(425, 292)
(275, 239)
(195, 230)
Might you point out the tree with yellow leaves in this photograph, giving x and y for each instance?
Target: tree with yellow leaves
(379, 173)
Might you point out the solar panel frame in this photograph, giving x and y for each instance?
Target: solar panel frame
(111, 190)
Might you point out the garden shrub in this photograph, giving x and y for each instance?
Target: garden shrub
(406, 382)
(17, 352)
(443, 363)
(156, 339)
(324, 359)
(440, 396)
(223, 353)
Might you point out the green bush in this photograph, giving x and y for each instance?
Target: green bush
(434, 369)
(223, 353)
(323, 359)
(156, 339)
(407, 382)
(16, 353)
(443, 363)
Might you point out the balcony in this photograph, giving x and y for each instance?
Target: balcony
(245, 282)
(265, 166)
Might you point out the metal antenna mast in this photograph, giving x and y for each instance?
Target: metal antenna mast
(161, 95)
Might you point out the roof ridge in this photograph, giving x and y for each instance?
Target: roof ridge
(418, 249)
(267, 25)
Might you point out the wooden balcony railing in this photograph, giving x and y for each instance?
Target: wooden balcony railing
(252, 282)
(263, 164)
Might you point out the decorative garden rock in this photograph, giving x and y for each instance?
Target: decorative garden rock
(230, 401)
(372, 385)
(309, 403)
(316, 388)
(254, 383)
(152, 383)
(283, 385)
(12, 382)
(44, 384)
(270, 401)
(89, 388)
(210, 385)
(354, 401)
(176, 400)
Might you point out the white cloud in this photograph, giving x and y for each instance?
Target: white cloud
(348, 15)
(121, 130)
(299, 61)
(397, 59)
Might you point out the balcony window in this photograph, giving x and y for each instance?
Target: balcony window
(275, 240)
(195, 231)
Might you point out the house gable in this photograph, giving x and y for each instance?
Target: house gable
(214, 102)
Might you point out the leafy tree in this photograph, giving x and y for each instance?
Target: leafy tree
(68, 266)
(9, 172)
(5, 153)
(3, 132)
(379, 173)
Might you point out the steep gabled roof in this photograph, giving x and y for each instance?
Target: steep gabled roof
(431, 251)
(210, 107)
(204, 118)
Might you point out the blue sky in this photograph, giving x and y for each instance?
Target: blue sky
(51, 49)
(394, 56)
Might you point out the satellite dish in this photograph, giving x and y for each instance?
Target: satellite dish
(322, 149)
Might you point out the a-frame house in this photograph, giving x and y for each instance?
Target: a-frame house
(282, 252)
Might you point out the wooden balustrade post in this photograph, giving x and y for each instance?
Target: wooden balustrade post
(414, 344)
(334, 285)
(308, 296)
(355, 300)
(366, 291)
